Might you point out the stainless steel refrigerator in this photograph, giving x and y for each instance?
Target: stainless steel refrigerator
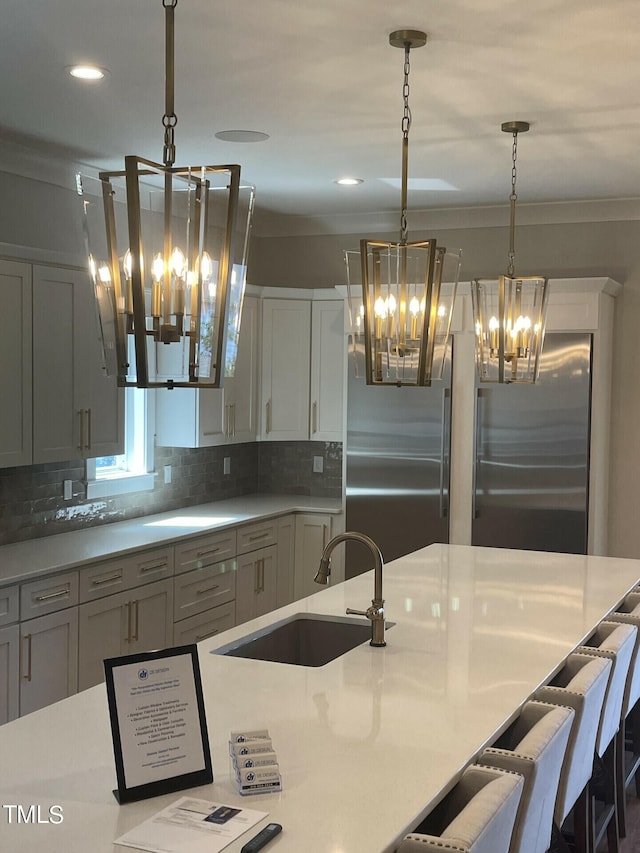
(532, 454)
(397, 465)
(531, 468)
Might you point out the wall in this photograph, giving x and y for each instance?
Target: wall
(32, 505)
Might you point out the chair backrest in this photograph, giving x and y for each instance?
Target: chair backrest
(629, 612)
(477, 816)
(535, 746)
(581, 684)
(615, 641)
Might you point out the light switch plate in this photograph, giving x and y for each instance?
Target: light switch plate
(318, 464)
(227, 465)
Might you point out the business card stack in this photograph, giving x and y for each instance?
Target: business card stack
(254, 762)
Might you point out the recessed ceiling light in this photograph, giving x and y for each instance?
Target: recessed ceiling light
(241, 136)
(88, 73)
(349, 182)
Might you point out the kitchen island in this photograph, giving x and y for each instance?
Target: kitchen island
(368, 743)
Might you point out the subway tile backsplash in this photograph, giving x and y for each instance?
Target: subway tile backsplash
(32, 503)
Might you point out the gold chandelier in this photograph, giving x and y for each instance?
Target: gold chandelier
(408, 288)
(167, 250)
(510, 311)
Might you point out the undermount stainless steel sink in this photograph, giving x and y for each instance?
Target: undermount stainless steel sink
(305, 639)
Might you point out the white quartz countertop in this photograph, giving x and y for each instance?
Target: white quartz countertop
(367, 743)
(26, 560)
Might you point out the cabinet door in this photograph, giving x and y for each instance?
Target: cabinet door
(286, 332)
(104, 629)
(78, 411)
(15, 364)
(152, 616)
(328, 348)
(241, 389)
(9, 665)
(313, 531)
(49, 659)
(256, 584)
(187, 417)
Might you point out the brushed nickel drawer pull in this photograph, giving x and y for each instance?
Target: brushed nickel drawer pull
(61, 593)
(100, 581)
(144, 569)
(89, 419)
(135, 634)
(81, 430)
(259, 535)
(127, 639)
(206, 636)
(207, 589)
(207, 553)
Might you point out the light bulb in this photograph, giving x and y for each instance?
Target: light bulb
(493, 324)
(157, 268)
(206, 267)
(177, 265)
(414, 306)
(127, 263)
(104, 274)
(391, 304)
(380, 308)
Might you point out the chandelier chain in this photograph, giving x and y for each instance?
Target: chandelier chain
(169, 119)
(406, 124)
(512, 199)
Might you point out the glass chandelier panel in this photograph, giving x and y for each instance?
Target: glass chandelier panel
(510, 311)
(401, 299)
(401, 294)
(167, 250)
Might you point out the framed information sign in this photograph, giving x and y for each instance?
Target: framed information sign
(158, 723)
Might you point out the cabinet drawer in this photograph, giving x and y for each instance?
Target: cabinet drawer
(258, 535)
(9, 599)
(48, 595)
(125, 573)
(205, 551)
(204, 625)
(203, 589)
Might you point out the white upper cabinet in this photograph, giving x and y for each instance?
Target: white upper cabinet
(190, 417)
(78, 411)
(286, 342)
(328, 347)
(15, 364)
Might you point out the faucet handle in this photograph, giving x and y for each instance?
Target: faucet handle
(352, 612)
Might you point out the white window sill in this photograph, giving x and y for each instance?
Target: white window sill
(120, 484)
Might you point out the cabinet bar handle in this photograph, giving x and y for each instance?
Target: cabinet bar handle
(144, 569)
(127, 639)
(81, 430)
(135, 634)
(207, 589)
(207, 553)
(89, 419)
(61, 593)
(100, 581)
(256, 577)
(233, 420)
(262, 535)
(268, 407)
(27, 677)
(324, 534)
(261, 574)
(206, 636)
(314, 418)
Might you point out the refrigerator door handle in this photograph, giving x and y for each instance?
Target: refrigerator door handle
(445, 443)
(477, 443)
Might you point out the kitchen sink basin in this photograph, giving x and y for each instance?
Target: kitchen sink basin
(305, 639)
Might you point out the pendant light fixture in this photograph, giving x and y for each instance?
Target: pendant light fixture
(510, 311)
(167, 250)
(403, 318)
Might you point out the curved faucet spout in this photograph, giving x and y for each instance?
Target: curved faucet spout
(375, 613)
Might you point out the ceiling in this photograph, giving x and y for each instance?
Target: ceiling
(320, 77)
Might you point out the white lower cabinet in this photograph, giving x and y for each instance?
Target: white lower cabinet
(138, 620)
(256, 583)
(9, 665)
(313, 531)
(48, 659)
(204, 625)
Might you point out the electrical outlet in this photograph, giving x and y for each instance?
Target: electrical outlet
(67, 489)
(227, 465)
(318, 464)
(167, 473)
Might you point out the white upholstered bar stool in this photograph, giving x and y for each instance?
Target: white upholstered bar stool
(534, 746)
(476, 816)
(614, 641)
(581, 684)
(628, 758)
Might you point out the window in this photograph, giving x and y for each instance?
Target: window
(131, 471)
